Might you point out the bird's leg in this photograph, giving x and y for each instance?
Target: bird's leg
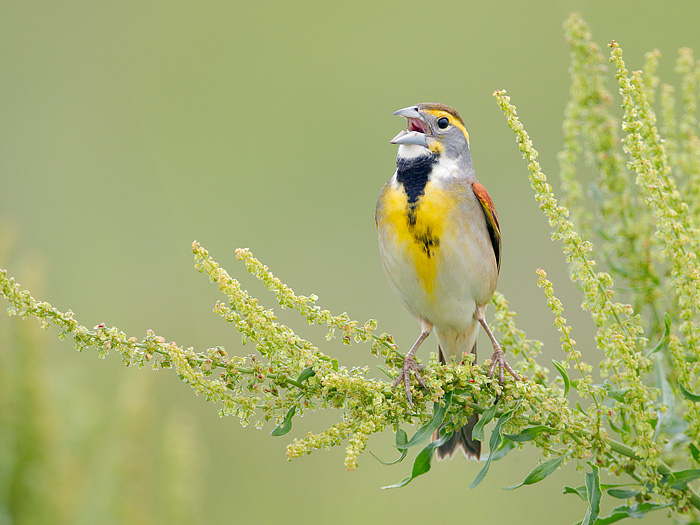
(409, 364)
(498, 359)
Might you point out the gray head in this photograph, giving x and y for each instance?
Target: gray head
(437, 128)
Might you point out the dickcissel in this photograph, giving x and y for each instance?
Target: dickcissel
(440, 246)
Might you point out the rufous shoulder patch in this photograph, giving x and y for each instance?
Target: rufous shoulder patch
(486, 202)
(491, 219)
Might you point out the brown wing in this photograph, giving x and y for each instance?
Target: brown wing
(491, 220)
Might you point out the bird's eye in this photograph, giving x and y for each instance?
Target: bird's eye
(443, 122)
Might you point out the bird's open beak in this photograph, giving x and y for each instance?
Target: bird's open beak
(417, 128)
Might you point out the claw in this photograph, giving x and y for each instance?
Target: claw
(409, 365)
(498, 360)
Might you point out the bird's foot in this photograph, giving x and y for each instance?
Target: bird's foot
(498, 361)
(409, 365)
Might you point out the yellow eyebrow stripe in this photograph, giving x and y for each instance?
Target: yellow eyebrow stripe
(453, 120)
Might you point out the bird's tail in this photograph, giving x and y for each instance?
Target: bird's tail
(462, 438)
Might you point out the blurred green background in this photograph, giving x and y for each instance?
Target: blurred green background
(129, 129)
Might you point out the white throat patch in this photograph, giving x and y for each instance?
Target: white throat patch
(410, 151)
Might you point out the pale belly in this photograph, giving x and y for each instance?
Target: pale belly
(444, 287)
(438, 258)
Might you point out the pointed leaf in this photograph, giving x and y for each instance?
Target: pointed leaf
(695, 451)
(664, 338)
(617, 395)
(579, 491)
(614, 426)
(421, 464)
(494, 443)
(606, 486)
(667, 398)
(506, 446)
(639, 510)
(593, 495)
(626, 429)
(386, 371)
(633, 511)
(582, 493)
(695, 398)
(401, 439)
(427, 430)
(564, 375)
(485, 419)
(286, 425)
(679, 480)
(305, 374)
(389, 463)
(530, 433)
(540, 472)
(623, 493)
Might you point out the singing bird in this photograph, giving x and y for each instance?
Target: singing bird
(440, 246)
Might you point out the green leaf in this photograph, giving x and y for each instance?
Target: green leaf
(613, 490)
(695, 398)
(623, 493)
(626, 429)
(617, 395)
(593, 495)
(401, 439)
(530, 433)
(427, 430)
(579, 491)
(421, 464)
(614, 426)
(540, 472)
(485, 419)
(305, 374)
(606, 486)
(334, 365)
(494, 443)
(564, 375)
(386, 371)
(638, 510)
(506, 446)
(667, 398)
(679, 480)
(286, 425)
(664, 338)
(695, 451)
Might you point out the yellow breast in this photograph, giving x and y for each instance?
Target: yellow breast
(414, 230)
